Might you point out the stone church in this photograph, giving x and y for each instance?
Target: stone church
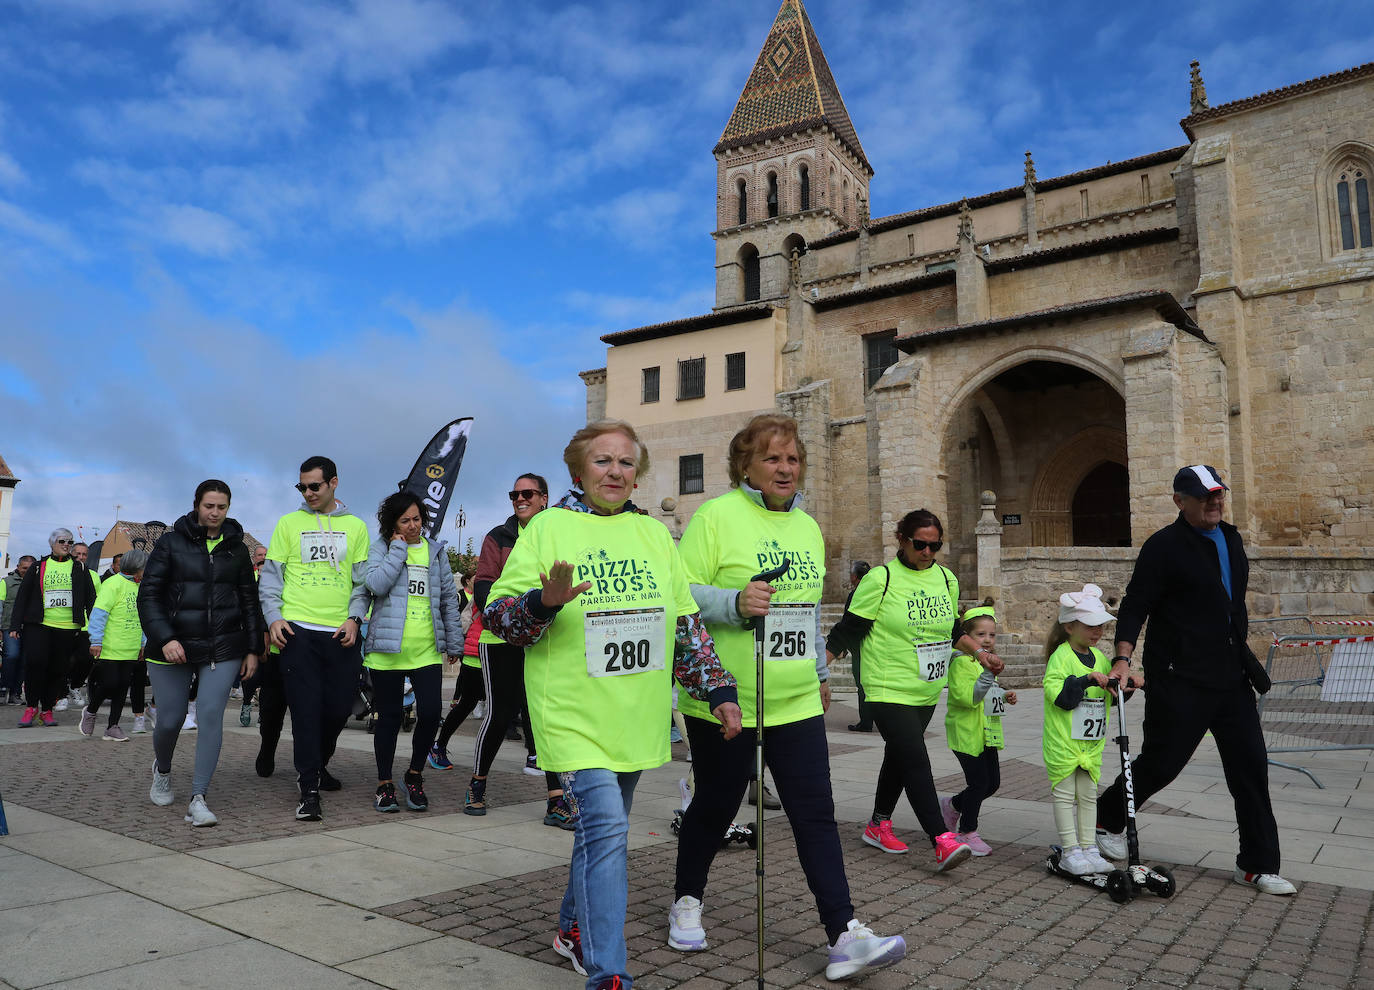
(1034, 363)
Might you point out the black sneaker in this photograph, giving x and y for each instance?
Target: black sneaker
(386, 798)
(512, 732)
(328, 782)
(415, 792)
(267, 759)
(475, 803)
(309, 808)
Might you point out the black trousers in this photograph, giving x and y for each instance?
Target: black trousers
(267, 682)
(503, 676)
(865, 711)
(138, 685)
(321, 678)
(799, 758)
(82, 661)
(388, 691)
(906, 764)
(110, 681)
(1177, 715)
(466, 693)
(47, 655)
(982, 777)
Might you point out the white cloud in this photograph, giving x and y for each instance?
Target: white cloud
(199, 230)
(10, 173)
(31, 230)
(622, 312)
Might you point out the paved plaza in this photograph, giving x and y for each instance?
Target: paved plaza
(101, 890)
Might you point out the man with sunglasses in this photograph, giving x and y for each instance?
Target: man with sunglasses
(313, 597)
(1189, 581)
(53, 603)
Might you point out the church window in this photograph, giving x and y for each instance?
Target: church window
(1083, 204)
(911, 244)
(743, 193)
(734, 371)
(880, 353)
(772, 194)
(1145, 189)
(691, 476)
(1352, 207)
(749, 272)
(804, 186)
(691, 378)
(844, 196)
(650, 385)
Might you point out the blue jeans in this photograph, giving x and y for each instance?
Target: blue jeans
(13, 678)
(598, 880)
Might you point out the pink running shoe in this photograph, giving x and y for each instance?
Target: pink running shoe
(950, 851)
(976, 843)
(879, 835)
(47, 718)
(26, 720)
(949, 813)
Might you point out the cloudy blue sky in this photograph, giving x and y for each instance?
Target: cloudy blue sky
(234, 234)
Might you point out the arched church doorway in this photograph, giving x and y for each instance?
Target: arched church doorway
(1101, 508)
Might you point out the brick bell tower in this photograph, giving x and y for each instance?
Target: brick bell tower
(789, 166)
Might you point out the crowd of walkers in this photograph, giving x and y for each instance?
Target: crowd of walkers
(584, 622)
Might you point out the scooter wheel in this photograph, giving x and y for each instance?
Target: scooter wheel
(1119, 886)
(1163, 884)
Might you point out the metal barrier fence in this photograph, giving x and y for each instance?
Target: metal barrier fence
(1322, 697)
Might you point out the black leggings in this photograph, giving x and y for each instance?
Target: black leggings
(466, 693)
(983, 775)
(503, 676)
(110, 681)
(906, 764)
(138, 685)
(266, 680)
(798, 756)
(47, 655)
(388, 691)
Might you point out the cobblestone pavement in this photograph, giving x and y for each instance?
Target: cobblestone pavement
(997, 922)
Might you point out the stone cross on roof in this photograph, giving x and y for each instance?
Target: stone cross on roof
(1197, 98)
(790, 89)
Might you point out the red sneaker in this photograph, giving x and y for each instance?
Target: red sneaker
(569, 945)
(879, 835)
(950, 851)
(47, 718)
(26, 720)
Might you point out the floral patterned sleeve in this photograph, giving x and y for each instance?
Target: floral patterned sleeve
(695, 664)
(519, 621)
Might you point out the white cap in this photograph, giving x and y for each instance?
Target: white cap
(1084, 606)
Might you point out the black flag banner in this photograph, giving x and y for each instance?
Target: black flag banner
(436, 471)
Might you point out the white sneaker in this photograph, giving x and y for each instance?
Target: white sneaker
(1076, 862)
(480, 711)
(1269, 883)
(62, 705)
(685, 791)
(161, 791)
(140, 725)
(151, 712)
(199, 813)
(859, 948)
(78, 697)
(1111, 844)
(190, 723)
(1098, 864)
(684, 925)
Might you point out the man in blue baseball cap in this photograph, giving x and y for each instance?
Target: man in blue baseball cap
(1189, 581)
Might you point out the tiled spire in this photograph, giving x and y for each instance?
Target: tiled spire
(790, 89)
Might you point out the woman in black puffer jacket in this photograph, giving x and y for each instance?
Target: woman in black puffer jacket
(198, 604)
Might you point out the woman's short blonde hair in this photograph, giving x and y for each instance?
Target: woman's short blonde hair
(575, 453)
(754, 438)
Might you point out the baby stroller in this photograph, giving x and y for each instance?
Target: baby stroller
(365, 711)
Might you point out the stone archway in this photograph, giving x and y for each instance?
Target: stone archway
(1059, 478)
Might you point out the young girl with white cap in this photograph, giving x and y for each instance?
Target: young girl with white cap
(1077, 704)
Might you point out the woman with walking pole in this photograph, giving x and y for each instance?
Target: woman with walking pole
(754, 527)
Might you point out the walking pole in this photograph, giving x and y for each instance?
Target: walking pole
(767, 577)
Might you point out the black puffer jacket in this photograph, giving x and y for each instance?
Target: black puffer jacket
(208, 602)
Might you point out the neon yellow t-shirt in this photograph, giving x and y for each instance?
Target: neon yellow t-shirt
(418, 648)
(1063, 753)
(317, 554)
(123, 635)
(57, 594)
(728, 541)
(906, 653)
(968, 726)
(210, 544)
(599, 680)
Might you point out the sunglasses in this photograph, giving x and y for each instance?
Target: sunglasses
(528, 494)
(314, 486)
(65, 543)
(934, 545)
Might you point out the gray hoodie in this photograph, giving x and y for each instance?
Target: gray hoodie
(271, 580)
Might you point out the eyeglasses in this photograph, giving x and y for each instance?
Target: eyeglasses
(314, 486)
(934, 545)
(528, 494)
(63, 543)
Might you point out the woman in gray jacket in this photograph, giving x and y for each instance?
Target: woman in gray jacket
(415, 623)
